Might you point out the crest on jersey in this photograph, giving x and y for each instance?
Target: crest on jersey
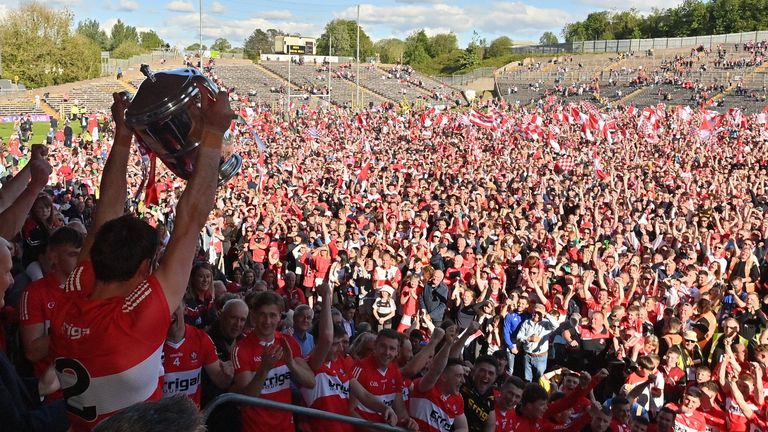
(194, 355)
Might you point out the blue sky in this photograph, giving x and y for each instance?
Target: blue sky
(177, 20)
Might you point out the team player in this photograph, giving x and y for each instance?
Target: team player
(435, 402)
(186, 352)
(41, 296)
(688, 418)
(334, 385)
(265, 361)
(511, 392)
(105, 335)
(380, 375)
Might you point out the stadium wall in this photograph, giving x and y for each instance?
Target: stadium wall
(624, 45)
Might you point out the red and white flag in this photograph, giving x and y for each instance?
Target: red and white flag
(481, 120)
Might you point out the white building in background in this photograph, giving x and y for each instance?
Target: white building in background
(295, 45)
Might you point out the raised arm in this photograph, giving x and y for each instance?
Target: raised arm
(114, 179)
(13, 217)
(196, 202)
(436, 368)
(420, 360)
(325, 335)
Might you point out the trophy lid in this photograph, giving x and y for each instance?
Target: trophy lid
(162, 93)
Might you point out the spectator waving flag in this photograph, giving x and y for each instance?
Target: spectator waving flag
(481, 120)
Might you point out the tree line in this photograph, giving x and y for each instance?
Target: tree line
(691, 18)
(437, 54)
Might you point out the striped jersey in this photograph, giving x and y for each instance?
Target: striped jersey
(384, 384)
(330, 394)
(183, 362)
(36, 307)
(433, 410)
(246, 357)
(107, 352)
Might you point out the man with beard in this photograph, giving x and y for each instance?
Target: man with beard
(478, 394)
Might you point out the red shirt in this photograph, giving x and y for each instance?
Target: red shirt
(277, 385)
(715, 418)
(434, 411)
(736, 418)
(37, 305)
(183, 362)
(693, 422)
(504, 419)
(385, 385)
(330, 394)
(107, 351)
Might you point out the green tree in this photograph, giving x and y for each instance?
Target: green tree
(221, 45)
(416, 48)
(474, 53)
(257, 43)
(92, 30)
(150, 40)
(39, 47)
(128, 49)
(499, 47)
(443, 43)
(122, 32)
(626, 25)
(548, 38)
(598, 25)
(195, 47)
(344, 34)
(574, 32)
(390, 50)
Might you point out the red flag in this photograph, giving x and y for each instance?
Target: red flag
(364, 172)
(150, 194)
(481, 120)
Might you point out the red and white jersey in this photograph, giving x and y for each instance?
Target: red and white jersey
(504, 419)
(330, 394)
(37, 304)
(107, 351)
(277, 385)
(693, 422)
(736, 418)
(183, 362)
(384, 384)
(434, 411)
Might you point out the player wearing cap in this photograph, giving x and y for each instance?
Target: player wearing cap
(380, 375)
(435, 402)
(186, 352)
(108, 337)
(265, 361)
(335, 386)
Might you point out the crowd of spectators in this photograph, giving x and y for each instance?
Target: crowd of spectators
(570, 280)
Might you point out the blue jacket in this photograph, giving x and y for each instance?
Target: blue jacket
(512, 323)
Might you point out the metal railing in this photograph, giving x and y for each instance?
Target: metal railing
(311, 412)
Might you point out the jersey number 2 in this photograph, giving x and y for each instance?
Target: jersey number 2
(82, 380)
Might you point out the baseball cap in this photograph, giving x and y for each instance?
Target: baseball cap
(690, 335)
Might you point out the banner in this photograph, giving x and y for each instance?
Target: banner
(34, 118)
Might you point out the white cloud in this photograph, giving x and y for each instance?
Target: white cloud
(216, 7)
(180, 6)
(127, 5)
(640, 5)
(108, 24)
(276, 15)
(236, 31)
(499, 17)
